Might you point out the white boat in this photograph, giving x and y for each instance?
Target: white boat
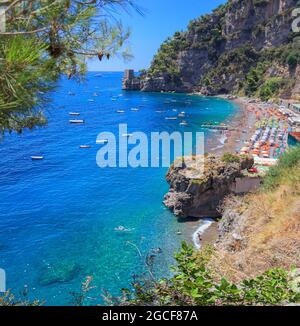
(101, 141)
(135, 110)
(84, 146)
(37, 158)
(120, 111)
(76, 121)
(77, 114)
(127, 135)
(122, 229)
(184, 123)
(171, 118)
(91, 100)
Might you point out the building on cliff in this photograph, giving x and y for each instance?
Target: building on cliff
(130, 82)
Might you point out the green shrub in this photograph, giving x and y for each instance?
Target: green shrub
(292, 59)
(230, 158)
(285, 169)
(270, 88)
(193, 284)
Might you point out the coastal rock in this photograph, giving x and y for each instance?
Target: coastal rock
(199, 194)
(217, 51)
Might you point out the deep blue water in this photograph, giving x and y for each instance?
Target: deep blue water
(57, 216)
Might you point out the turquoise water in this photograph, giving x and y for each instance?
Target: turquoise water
(57, 216)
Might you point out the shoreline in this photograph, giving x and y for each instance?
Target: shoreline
(241, 128)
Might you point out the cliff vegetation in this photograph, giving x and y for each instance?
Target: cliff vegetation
(242, 47)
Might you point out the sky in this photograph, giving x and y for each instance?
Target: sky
(161, 19)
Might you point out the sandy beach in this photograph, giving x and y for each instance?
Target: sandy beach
(259, 129)
(241, 128)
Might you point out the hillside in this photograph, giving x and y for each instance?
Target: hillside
(244, 47)
(257, 237)
(256, 258)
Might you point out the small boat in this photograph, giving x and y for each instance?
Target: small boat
(76, 121)
(120, 111)
(121, 229)
(71, 94)
(37, 158)
(135, 110)
(184, 123)
(91, 100)
(77, 114)
(171, 118)
(101, 141)
(85, 146)
(127, 135)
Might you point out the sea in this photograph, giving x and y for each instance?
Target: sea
(64, 219)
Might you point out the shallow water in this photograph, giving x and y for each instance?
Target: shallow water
(57, 216)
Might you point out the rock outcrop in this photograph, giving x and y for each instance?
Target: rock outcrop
(131, 82)
(218, 50)
(199, 194)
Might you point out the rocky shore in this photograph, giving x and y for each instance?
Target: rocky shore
(198, 194)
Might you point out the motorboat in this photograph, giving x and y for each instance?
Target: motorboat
(101, 141)
(76, 121)
(184, 123)
(37, 158)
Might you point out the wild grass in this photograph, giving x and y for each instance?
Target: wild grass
(269, 225)
(284, 172)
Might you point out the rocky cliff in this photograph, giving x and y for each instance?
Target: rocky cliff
(199, 194)
(244, 46)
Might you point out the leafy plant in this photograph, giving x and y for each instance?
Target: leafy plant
(45, 39)
(230, 158)
(283, 170)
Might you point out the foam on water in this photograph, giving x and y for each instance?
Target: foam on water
(204, 225)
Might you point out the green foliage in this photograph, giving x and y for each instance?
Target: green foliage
(194, 284)
(230, 158)
(235, 62)
(164, 61)
(254, 78)
(270, 88)
(25, 78)
(293, 59)
(285, 170)
(46, 39)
